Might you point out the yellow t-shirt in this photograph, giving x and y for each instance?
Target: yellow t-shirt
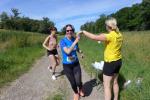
(113, 46)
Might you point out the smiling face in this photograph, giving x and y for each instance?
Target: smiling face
(69, 31)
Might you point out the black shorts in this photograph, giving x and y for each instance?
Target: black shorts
(52, 52)
(111, 68)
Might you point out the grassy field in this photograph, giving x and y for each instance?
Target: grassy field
(136, 63)
(18, 50)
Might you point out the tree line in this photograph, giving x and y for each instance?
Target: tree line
(16, 22)
(135, 18)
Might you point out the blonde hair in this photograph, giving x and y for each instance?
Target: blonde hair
(112, 23)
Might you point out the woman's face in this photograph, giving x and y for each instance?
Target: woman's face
(53, 32)
(108, 28)
(69, 32)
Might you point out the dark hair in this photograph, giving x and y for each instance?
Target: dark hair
(73, 29)
(51, 28)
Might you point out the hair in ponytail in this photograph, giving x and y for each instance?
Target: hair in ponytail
(112, 23)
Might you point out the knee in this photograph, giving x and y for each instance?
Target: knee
(54, 64)
(57, 63)
(107, 85)
(115, 83)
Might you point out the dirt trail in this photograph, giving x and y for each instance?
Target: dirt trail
(38, 85)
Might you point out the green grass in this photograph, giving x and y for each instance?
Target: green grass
(136, 62)
(60, 94)
(57, 96)
(18, 52)
(92, 52)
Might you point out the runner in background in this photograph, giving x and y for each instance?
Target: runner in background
(50, 43)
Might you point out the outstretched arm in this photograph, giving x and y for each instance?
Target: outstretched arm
(100, 37)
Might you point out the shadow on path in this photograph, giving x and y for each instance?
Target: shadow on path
(58, 74)
(88, 86)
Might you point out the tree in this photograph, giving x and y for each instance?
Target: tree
(45, 24)
(15, 12)
(128, 18)
(145, 15)
(100, 23)
(4, 18)
(15, 22)
(62, 31)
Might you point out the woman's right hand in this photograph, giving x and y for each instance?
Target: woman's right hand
(77, 39)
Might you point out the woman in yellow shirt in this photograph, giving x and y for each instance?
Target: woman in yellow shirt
(112, 56)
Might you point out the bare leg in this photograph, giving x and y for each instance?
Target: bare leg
(53, 62)
(76, 96)
(115, 87)
(107, 86)
(81, 92)
(57, 57)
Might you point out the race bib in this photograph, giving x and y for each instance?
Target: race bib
(71, 58)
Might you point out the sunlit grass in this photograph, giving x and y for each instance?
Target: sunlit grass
(18, 52)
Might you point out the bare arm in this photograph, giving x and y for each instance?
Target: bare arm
(100, 37)
(45, 43)
(68, 50)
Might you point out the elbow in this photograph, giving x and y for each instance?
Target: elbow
(43, 45)
(67, 52)
(94, 38)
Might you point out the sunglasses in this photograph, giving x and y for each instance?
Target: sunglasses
(69, 30)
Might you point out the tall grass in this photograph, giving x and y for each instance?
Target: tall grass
(92, 52)
(136, 63)
(18, 51)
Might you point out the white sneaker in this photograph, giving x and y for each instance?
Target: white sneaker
(49, 68)
(53, 77)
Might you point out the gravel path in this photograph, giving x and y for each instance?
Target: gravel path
(38, 85)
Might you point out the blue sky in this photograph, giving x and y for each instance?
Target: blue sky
(62, 12)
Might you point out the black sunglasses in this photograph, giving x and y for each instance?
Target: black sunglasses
(69, 30)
